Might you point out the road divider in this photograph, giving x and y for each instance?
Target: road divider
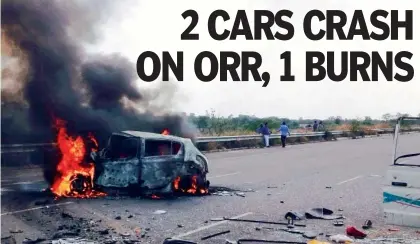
(30, 147)
(33, 155)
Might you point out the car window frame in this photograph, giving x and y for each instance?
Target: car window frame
(126, 137)
(180, 152)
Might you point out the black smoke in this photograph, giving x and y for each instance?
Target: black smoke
(96, 94)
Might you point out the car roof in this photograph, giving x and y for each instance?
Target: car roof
(149, 135)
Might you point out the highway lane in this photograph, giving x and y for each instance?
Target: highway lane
(281, 179)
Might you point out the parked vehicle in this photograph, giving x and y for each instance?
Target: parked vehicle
(401, 194)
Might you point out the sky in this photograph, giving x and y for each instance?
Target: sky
(157, 26)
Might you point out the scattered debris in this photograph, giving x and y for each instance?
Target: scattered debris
(257, 228)
(130, 241)
(16, 231)
(294, 215)
(125, 234)
(130, 216)
(216, 234)
(61, 234)
(317, 242)
(147, 229)
(293, 231)
(367, 225)
(230, 242)
(32, 241)
(177, 241)
(217, 219)
(66, 215)
(354, 232)
(309, 235)
(8, 240)
(267, 241)
(104, 232)
(341, 238)
(159, 212)
(223, 193)
(262, 222)
(321, 213)
(118, 218)
(72, 241)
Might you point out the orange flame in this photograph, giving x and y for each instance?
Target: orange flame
(192, 189)
(71, 166)
(165, 132)
(176, 184)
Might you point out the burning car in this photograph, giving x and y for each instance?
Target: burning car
(151, 163)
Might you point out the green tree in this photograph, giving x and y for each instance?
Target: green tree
(387, 117)
(202, 123)
(217, 124)
(355, 126)
(338, 120)
(367, 121)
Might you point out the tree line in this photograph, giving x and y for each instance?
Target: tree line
(215, 125)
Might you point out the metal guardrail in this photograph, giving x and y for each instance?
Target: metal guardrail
(20, 148)
(255, 137)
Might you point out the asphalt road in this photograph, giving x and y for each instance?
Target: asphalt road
(343, 175)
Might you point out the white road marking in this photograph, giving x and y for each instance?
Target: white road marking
(209, 226)
(354, 178)
(31, 209)
(4, 190)
(23, 183)
(219, 176)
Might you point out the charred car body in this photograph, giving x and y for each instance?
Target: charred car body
(150, 163)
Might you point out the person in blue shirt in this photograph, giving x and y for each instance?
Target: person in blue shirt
(284, 131)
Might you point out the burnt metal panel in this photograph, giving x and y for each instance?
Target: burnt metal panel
(120, 173)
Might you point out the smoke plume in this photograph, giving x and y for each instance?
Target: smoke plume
(47, 75)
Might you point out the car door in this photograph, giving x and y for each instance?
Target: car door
(401, 193)
(159, 163)
(120, 163)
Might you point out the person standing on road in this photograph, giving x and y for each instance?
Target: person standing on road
(321, 126)
(284, 132)
(315, 126)
(265, 131)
